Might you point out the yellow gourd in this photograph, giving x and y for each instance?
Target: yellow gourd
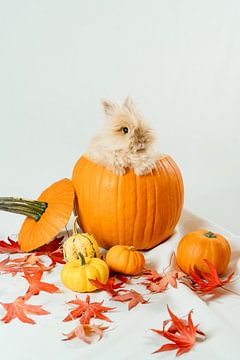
(76, 274)
(80, 243)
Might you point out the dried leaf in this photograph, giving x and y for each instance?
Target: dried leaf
(151, 275)
(19, 308)
(36, 285)
(32, 263)
(86, 310)
(169, 278)
(7, 268)
(110, 287)
(206, 283)
(85, 331)
(132, 296)
(159, 282)
(10, 247)
(183, 337)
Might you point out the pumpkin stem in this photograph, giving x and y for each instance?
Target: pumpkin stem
(81, 258)
(210, 234)
(131, 247)
(31, 208)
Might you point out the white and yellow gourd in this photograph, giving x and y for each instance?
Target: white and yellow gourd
(80, 243)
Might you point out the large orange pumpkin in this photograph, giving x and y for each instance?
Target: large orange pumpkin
(141, 211)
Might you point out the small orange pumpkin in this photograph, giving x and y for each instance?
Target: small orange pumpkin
(141, 211)
(125, 259)
(203, 244)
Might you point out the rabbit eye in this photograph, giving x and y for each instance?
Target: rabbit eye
(125, 130)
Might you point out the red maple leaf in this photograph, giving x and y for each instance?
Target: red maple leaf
(132, 296)
(56, 257)
(19, 308)
(36, 285)
(172, 328)
(53, 250)
(85, 331)
(206, 282)
(10, 247)
(110, 287)
(86, 310)
(183, 334)
(122, 278)
(54, 245)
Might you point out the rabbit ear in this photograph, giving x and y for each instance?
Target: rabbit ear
(128, 103)
(109, 107)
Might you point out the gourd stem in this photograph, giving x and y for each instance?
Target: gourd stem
(210, 234)
(131, 247)
(81, 258)
(75, 226)
(31, 208)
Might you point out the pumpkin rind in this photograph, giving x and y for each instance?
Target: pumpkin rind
(125, 260)
(75, 276)
(197, 245)
(128, 210)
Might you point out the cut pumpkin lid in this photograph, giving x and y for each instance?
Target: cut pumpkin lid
(45, 217)
(59, 198)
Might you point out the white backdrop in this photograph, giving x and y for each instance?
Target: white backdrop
(179, 60)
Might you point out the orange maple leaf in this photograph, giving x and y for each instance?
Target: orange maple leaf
(132, 296)
(36, 285)
(19, 308)
(86, 310)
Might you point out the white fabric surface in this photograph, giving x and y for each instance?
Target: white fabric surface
(128, 336)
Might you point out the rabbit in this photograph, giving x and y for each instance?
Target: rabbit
(126, 141)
